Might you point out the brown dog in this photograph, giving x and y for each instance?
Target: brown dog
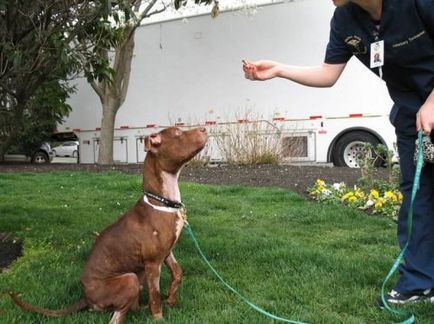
(131, 251)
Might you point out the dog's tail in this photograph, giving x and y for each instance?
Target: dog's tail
(81, 304)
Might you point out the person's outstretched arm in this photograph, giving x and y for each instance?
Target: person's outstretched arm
(321, 76)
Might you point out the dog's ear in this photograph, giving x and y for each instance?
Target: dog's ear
(152, 142)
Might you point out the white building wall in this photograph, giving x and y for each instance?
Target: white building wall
(191, 71)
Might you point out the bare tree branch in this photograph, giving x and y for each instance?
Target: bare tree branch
(97, 89)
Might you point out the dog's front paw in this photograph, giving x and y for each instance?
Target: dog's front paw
(157, 317)
(171, 301)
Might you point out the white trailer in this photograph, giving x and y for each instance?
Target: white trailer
(188, 72)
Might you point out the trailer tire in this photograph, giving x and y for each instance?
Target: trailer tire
(348, 148)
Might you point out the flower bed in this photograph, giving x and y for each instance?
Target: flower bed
(385, 202)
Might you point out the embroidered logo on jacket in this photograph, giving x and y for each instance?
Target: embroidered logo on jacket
(356, 45)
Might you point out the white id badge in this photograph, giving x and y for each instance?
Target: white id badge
(377, 54)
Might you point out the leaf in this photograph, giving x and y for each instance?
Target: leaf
(89, 77)
(215, 10)
(127, 14)
(16, 59)
(116, 17)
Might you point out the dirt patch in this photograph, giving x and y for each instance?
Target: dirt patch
(292, 177)
(9, 250)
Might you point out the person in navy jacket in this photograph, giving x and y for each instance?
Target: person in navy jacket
(395, 40)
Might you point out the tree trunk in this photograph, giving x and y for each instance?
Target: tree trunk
(109, 110)
(4, 146)
(113, 94)
(7, 140)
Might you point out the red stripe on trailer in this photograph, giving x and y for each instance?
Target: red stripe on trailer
(210, 122)
(315, 117)
(356, 115)
(241, 121)
(179, 124)
(98, 128)
(76, 130)
(124, 127)
(279, 119)
(151, 126)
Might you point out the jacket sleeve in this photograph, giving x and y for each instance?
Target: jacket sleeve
(337, 51)
(426, 13)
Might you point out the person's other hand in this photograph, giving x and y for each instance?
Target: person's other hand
(425, 118)
(260, 70)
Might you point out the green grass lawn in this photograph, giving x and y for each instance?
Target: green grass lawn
(294, 258)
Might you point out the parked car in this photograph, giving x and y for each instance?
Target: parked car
(43, 154)
(69, 148)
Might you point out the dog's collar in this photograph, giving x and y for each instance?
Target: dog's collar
(168, 204)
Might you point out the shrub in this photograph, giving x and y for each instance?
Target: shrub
(248, 142)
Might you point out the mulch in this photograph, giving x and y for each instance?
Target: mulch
(297, 178)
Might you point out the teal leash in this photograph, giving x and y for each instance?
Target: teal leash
(416, 182)
(256, 308)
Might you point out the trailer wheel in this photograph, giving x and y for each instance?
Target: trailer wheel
(348, 149)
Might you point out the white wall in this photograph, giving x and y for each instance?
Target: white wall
(191, 71)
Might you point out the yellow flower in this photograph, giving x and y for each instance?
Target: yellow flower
(320, 183)
(347, 195)
(359, 193)
(352, 199)
(374, 194)
(399, 196)
(379, 203)
(389, 195)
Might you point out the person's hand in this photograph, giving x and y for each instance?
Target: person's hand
(425, 118)
(260, 70)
